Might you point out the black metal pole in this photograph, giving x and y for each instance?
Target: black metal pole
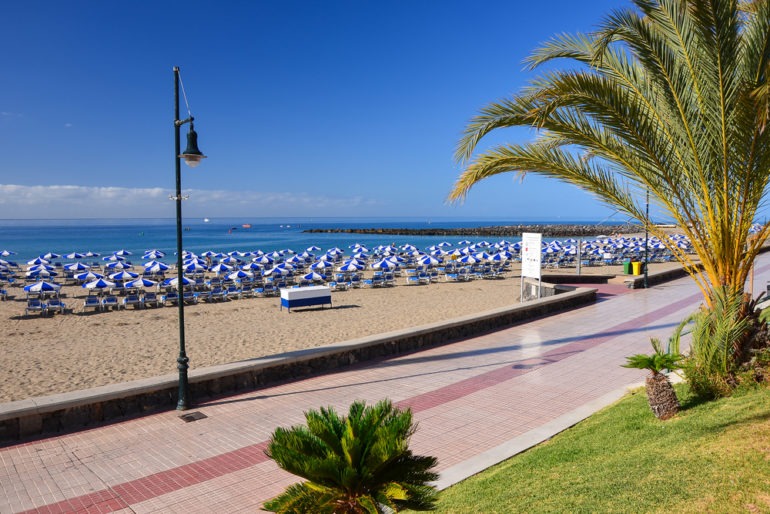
(646, 238)
(182, 360)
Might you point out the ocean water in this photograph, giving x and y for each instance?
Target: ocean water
(31, 238)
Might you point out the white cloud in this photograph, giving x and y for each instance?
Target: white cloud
(68, 201)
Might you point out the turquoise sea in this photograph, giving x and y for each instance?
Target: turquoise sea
(31, 238)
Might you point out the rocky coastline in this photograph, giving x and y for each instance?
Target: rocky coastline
(550, 230)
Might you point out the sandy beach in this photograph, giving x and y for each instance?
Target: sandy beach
(78, 350)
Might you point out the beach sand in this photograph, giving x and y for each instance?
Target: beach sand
(79, 350)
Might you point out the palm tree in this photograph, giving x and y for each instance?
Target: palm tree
(360, 463)
(668, 96)
(660, 393)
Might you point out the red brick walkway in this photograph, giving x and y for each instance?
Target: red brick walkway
(477, 402)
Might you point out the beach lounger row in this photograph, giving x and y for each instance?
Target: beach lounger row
(37, 305)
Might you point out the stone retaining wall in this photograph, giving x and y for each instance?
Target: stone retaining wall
(78, 409)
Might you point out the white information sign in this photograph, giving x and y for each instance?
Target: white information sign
(531, 246)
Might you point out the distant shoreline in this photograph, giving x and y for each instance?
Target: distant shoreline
(549, 230)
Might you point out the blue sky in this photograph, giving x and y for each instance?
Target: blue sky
(305, 108)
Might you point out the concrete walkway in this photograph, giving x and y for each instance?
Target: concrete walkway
(477, 402)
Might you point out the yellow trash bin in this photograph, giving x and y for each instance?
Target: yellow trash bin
(636, 268)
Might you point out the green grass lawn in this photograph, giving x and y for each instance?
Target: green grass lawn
(712, 457)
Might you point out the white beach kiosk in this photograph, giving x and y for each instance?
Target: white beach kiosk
(305, 296)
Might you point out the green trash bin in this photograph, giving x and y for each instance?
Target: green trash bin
(636, 267)
(627, 267)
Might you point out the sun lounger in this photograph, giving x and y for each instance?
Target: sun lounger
(109, 302)
(190, 298)
(56, 305)
(35, 305)
(133, 299)
(233, 291)
(151, 300)
(338, 286)
(172, 297)
(92, 302)
(413, 280)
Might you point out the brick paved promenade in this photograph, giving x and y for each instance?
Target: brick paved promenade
(477, 402)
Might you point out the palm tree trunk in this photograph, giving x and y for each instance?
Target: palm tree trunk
(661, 396)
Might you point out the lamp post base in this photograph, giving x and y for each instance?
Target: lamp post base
(182, 403)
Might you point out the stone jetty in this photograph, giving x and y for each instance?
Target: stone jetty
(550, 230)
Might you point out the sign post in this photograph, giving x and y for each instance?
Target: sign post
(531, 256)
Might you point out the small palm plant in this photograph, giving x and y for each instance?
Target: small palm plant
(660, 393)
(360, 463)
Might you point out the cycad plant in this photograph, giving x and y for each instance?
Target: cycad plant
(668, 97)
(355, 464)
(660, 393)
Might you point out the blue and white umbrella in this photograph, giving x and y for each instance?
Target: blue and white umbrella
(40, 272)
(50, 255)
(118, 265)
(121, 276)
(76, 266)
(442, 244)
(75, 255)
(251, 266)
(92, 254)
(42, 287)
(162, 265)
(384, 264)
(153, 254)
(349, 267)
(500, 256)
(156, 268)
(38, 260)
(38, 267)
(313, 248)
(175, 281)
(99, 283)
(139, 282)
(113, 258)
(231, 260)
(7, 253)
(295, 259)
(321, 265)
(278, 271)
(122, 253)
(194, 260)
(193, 267)
(221, 268)
(88, 276)
(427, 260)
(265, 259)
(239, 274)
(313, 277)
(468, 259)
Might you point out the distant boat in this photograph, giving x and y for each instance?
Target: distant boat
(206, 220)
(246, 225)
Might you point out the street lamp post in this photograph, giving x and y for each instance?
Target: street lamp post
(192, 157)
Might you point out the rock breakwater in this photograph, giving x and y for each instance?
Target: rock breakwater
(551, 230)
